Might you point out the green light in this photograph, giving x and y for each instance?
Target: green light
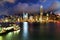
(1, 38)
(0, 29)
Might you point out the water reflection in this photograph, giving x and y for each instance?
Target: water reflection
(25, 31)
(10, 36)
(35, 31)
(25, 28)
(58, 27)
(57, 31)
(1, 38)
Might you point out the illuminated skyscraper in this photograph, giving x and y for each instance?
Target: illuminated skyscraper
(25, 16)
(47, 16)
(41, 13)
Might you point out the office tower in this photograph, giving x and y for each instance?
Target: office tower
(41, 13)
(25, 16)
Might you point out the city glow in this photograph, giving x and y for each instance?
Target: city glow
(29, 19)
(41, 6)
(40, 20)
(6, 20)
(47, 17)
(9, 28)
(16, 32)
(18, 20)
(26, 17)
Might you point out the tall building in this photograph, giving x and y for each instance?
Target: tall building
(47, 16)
(41, 13)
(25, 16)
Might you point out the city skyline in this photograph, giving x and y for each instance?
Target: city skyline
(29, 19)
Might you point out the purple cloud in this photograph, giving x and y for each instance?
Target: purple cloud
(56, 6)
(25, 7)
(3, 10)
(10, 1)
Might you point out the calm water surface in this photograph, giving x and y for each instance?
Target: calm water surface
(35, 31)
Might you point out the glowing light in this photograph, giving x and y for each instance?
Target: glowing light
(25, 28)
(9, 35)
(8, 28)
(41, 13)
(47, 14)
(41, 6)
(40, 19)
(18, 20)
(31, 19)
(47, 17)
(16, 28)
(16, 32)
(58, 22)
(25, 15)
(1, 38)
(4, 28)
(6, 20)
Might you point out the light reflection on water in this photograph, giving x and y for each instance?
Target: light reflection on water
(25, 30)
(1, 38)
(10, 36)
(35, 31)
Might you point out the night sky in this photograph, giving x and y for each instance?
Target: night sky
(29, 6)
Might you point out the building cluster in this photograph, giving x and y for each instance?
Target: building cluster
(49, 17)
